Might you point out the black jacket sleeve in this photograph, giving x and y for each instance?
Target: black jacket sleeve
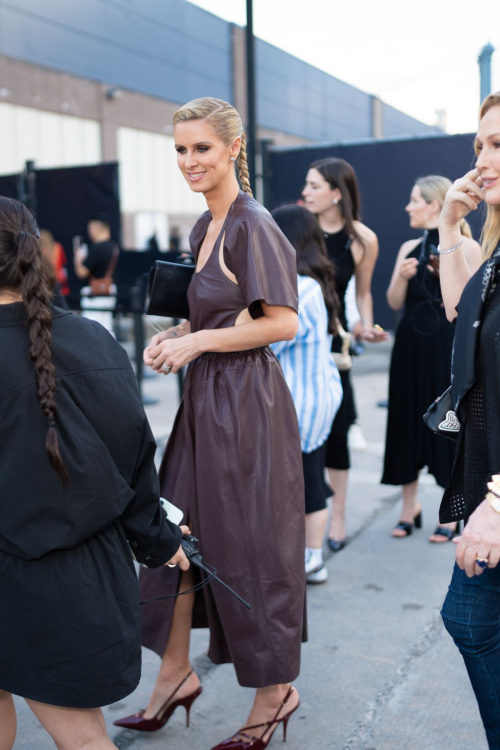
(153, 538)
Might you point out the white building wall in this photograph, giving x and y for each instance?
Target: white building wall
(150, 180)
(47, 138)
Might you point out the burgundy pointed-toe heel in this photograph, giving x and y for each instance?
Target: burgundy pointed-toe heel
(137, 721)
(242, 740)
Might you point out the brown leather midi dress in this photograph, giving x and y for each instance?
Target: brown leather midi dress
(233, 465)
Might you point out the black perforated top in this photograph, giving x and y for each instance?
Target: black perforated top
(478, 449)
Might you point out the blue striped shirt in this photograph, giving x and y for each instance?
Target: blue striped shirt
(309, 368)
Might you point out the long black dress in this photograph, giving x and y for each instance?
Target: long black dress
(338, 246)
(69, 599)
(420, 372)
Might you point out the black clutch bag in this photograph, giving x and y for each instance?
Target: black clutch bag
(168, 285)
(440, 417)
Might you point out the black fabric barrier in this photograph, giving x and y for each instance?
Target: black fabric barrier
(386, 171)
(66, 198)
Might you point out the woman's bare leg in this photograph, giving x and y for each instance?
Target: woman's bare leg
(411, 507)
(266, 704)
(315, 528)
(338, 482)
(73, 728)
(175, 663)
(8, 721)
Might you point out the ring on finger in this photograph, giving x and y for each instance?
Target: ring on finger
(482, 562)
(166, 368)
(169, 565)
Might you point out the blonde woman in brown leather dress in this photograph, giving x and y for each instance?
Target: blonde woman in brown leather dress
(233, 462)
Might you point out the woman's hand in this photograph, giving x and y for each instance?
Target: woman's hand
(408, 268)
(433, 266)
(171, 333)
(375, 334)
(464, 196)
(480, 540)
(180, 558)
(173, 353)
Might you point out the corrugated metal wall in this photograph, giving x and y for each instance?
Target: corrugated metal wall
(174, 50)
(303, 100)
(167, 48)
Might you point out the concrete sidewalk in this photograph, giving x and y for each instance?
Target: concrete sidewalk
(379, 671)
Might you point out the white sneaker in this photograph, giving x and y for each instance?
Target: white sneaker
(319, 576)
(356, 439)
(312, 564)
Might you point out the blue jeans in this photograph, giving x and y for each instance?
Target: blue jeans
(471, 614)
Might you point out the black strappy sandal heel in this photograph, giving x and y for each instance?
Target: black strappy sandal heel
(444, 531)
(407, 526)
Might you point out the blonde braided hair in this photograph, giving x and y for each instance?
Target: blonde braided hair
(227, 125)
(243, 175)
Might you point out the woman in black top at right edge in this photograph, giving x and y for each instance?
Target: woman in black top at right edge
(331, 192)
(471, 611)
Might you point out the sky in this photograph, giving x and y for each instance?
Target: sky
(418, 56)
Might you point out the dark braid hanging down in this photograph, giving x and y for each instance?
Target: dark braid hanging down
(21, 271)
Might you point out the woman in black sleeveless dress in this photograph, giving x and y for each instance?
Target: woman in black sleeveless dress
(331, 192)
(421, 358)
(338, 245)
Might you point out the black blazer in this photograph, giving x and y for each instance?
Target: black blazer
(105, 441)
(464, 374)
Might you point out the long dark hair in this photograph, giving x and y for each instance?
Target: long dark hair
(339, 174)
(22, 271)
(302, 230)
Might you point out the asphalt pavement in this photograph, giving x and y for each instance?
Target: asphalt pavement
(379, 671)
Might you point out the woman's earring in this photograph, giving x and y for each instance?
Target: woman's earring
(335, 201)
(233, 158)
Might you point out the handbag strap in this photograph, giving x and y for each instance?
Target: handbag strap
(113, 262)
(346, 337)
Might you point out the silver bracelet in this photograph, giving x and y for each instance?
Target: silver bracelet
(451, 250)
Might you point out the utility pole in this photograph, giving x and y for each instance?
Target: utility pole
(484, 61)
(26, 187)
(251, 129)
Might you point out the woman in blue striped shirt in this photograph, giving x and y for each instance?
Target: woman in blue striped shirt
(310, 370)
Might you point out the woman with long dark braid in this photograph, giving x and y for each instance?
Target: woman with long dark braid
(77, 483)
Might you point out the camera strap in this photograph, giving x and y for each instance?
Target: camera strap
(192, 553)
(199, 586)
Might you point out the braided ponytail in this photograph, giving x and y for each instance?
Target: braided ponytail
(243, 174)
(227, 124)
(20, 248)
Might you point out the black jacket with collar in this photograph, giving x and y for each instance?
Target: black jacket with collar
(105, 440)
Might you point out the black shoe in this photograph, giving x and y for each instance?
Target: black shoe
(337, 544)
(445, 532)
(407, 527)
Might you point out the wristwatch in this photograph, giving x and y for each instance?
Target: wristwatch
(494, 501)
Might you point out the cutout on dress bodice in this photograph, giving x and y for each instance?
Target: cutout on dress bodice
(244, 316)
